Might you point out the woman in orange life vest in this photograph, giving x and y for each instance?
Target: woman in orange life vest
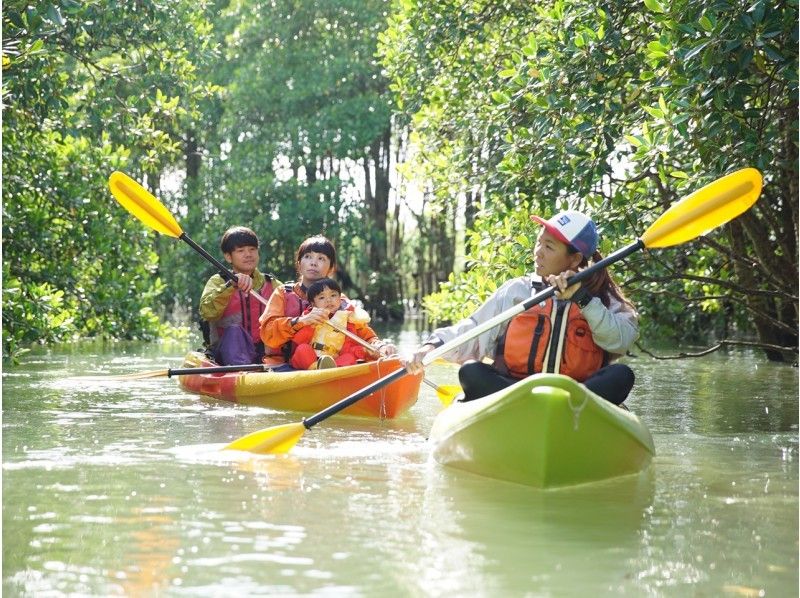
(577, 333)
(287, 310)
(321, 346)
(231, 313)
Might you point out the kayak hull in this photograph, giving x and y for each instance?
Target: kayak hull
(545, 431)
(308, 390)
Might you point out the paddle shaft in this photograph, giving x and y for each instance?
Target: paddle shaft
(433, 385)
(219, 369)
(223, 271)
(469, 335)
(356, 338)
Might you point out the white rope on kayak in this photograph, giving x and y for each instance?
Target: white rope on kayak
(383, 390)
(577, 409)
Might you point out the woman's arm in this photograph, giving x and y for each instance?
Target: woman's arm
(614, 328)
(276, 328)
(511, 293)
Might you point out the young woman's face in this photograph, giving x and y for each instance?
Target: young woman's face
(313, 266)
(243, 259)
(328, 300)
(552, 257)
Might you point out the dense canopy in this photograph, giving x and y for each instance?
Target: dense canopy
(419, 136)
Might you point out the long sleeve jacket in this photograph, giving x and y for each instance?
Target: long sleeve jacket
(614, 328)
(276, 325)
(217, 294)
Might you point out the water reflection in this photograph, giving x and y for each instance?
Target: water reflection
(122, 489)
(514, 538)
(153, 545)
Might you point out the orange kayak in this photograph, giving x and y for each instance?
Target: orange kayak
(307, 390)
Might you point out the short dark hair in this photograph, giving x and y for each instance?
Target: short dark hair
(316, 287)
(317, 244)
(238, 236)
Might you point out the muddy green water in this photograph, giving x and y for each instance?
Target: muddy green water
(120, 489)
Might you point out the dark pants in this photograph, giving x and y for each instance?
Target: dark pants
(236, 347)
(612, 382)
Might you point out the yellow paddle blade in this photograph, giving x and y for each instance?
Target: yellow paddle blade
(447, 392)
(276, 440)
(705, 209)
(442, 361)
(143, 204)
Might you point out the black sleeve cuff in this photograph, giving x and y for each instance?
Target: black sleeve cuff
(582, 297)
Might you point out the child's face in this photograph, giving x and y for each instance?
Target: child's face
(328, 300)
(243, 259)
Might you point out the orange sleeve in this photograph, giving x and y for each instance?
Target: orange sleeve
(304, 335)
(364, 331)
(276, 329)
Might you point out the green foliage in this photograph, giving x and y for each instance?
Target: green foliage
(618, 109)
(496, 243)
(614, 108)
(305, 100)
(83, 92)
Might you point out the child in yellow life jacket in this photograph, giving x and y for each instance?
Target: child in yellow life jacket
(322, 346)
(578, 333)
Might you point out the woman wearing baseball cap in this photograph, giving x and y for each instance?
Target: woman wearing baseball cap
(578, 333)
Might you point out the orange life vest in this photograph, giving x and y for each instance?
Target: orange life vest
(293, 304)
(551, 337)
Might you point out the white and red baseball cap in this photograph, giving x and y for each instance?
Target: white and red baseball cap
(574, 229)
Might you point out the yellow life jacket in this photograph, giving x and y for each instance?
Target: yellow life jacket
(329, 341)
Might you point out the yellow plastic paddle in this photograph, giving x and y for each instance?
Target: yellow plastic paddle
(705, 209)
(144, 205)
(445, 392)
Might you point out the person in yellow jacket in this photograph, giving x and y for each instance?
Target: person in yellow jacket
(229, 310)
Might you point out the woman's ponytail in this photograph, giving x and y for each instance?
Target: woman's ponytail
(600, 284)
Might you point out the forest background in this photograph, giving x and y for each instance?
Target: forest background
(409, 132)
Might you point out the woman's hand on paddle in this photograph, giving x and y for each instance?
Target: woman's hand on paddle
(316, 316)
(414, 363)
(560, 282)
(387, 349)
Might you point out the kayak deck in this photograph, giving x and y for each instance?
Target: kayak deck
(544, 431)
(308, 390)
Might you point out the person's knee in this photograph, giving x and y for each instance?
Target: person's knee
(471, 372)
(625, 376)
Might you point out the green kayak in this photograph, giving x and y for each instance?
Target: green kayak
(545, 431)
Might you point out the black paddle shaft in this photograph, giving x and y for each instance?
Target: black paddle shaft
(354, 398)
(585, 273)
(219, 369)
(223, 271)
(525, 305)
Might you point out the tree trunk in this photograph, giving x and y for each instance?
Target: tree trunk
(773, 307)
(193, 158)
(383, 291)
